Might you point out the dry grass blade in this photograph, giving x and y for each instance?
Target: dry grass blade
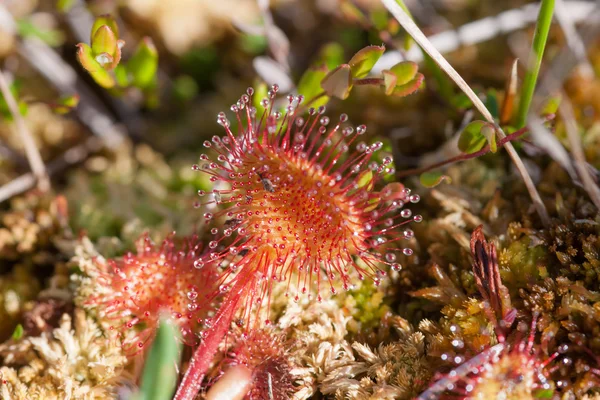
(574, 40)
(71, 157)
(414, 31)
(31, 150)
(590, 186)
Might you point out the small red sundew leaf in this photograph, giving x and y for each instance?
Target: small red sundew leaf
(134, 290)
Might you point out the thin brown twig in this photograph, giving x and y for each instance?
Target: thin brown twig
(31, 151)
(418, 36)
(72, 156)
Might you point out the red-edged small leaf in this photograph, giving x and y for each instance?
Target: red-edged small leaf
(104, 20)
(389, 81)
(410, 87)
(89, 63)
(364, 60)
(433, 178)
(338, 82)
(65, 104)
(405, 71)
(104, 41)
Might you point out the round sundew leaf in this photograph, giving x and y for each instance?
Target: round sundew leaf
(433, 178)
(393, 191)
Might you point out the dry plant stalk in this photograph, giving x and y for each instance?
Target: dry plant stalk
(33, 154)
(413, 30)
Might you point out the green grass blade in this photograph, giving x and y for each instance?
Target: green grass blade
(160, 374)
(540, 38)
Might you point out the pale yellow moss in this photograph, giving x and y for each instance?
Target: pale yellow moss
(74, 361)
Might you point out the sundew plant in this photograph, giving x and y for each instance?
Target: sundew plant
(299, 199)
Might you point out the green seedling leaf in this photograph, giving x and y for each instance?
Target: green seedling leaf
(260, 92)
(544, 393)
(471, 138)
(332, 55)
(185, 88)
(364, 60)
(402, 79)
(18, 332)
(551, 105)
(65, 5)
(405, 71)
(89, 63)
(351, 12)
(461, 101)
(409, 87)
(143, 64)
(338, 82)
(310, 85)
(104, 41)
(160, 374)
(380, 19)
(104, 20)
(433, 178)
(65, 104)
(121, 75)
(15, 88)
(489, 132)
(365, 180)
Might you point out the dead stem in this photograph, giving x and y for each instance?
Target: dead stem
(414, 31)
(72, 156)
(33, 155)
(590, 186)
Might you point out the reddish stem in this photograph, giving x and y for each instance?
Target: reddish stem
(464, 156)
(369, 81)
(204, 354)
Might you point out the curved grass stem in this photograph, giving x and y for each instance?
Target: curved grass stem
(414, 31)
